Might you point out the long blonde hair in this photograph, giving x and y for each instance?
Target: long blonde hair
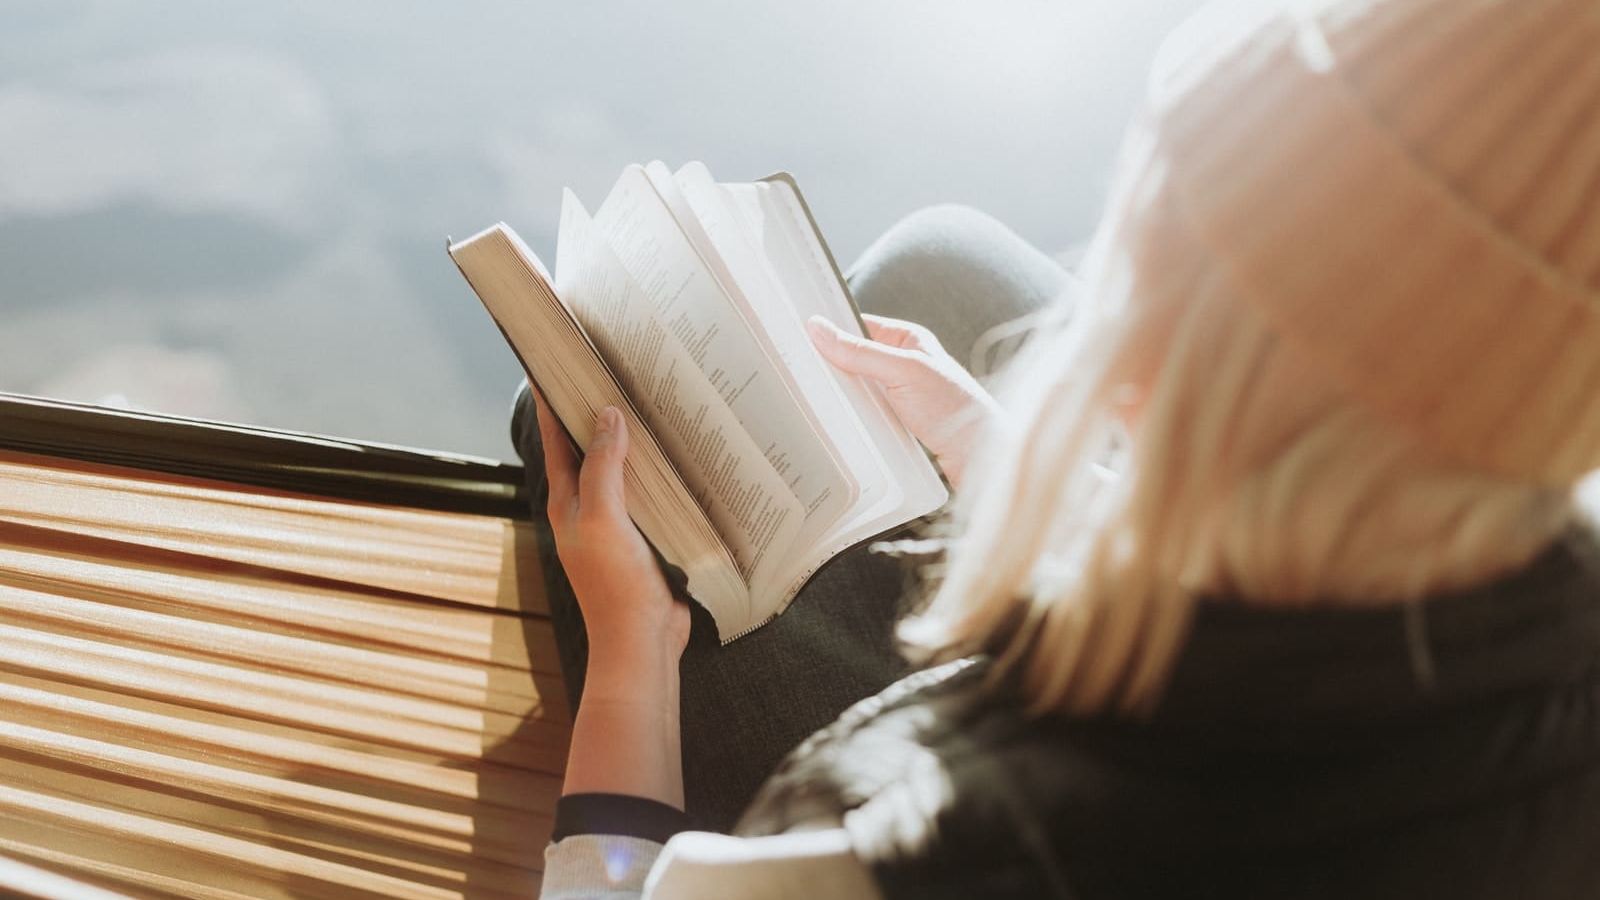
(1166, 444)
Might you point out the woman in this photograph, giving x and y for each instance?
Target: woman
(1265, 577)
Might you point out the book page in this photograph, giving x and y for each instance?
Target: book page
(808, 293)
(745, 497)
(739, 245)
(688, 300)
(773, 324)
(901, 483)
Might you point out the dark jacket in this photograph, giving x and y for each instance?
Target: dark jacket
(1315, 753)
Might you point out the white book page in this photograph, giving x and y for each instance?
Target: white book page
(769, 229)
(739, 244)
(687, 300)
(747, 501)
(820, 466)
(773, 215)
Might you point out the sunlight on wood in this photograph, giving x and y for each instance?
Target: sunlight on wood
(216, 691)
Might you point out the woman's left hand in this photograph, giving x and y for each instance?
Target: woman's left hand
(633, 622)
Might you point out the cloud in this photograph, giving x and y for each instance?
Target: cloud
(342, 345)
(197, 130)
(561, 144)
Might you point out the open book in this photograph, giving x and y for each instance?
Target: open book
(682, 302)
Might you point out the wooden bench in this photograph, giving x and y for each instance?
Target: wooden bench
(222, 689)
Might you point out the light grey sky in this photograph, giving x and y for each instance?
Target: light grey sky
(238, 209)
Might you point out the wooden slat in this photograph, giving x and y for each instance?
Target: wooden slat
(414, 823)
(373, 715)
(206, 844)
(480, 848)
(444, 677)
(247, 746)
(459, 557)
(22, 880)
(262, 600)
(451, 682)
(133, 870)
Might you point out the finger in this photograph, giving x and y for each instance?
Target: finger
(560, 463)
(860, 356)
(900, 333)
(600, 490)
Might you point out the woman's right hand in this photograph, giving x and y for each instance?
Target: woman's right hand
(939, 400)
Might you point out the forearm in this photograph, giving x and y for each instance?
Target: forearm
(625, 738)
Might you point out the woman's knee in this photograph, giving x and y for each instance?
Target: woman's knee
(944, 240)
(957, 270)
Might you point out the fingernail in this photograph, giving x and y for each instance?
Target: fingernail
(608, 419)
(820, 328)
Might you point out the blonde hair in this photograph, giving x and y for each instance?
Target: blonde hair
(1167, 444)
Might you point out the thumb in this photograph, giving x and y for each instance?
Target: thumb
(860, 356)
(600, 480)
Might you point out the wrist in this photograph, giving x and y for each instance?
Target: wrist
(625, 736)
(645, 671)
(971, 430)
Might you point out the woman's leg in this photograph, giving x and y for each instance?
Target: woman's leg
(747, 704)
(961, 273)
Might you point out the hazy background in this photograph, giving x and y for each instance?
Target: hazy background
(238, 210)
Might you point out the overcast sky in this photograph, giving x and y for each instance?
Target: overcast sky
(238, 209)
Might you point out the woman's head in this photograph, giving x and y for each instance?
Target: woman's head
(1323, 355)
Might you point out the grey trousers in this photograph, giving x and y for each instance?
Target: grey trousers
(746, 705)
